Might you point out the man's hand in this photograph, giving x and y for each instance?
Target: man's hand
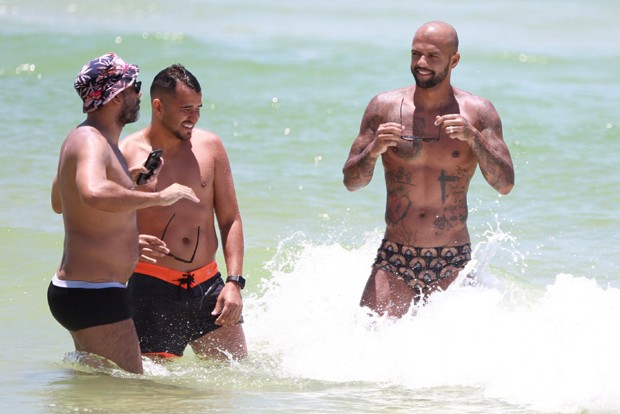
(151, 248)
(136, 170)
(176, 192)
(387, 135)
(457, 127)
(229, 305)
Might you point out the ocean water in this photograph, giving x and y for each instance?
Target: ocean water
(285, 85)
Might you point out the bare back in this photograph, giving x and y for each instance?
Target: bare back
(99, 246)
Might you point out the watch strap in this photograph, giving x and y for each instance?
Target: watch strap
(240, 280)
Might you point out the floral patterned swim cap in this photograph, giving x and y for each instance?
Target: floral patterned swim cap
(102, 79)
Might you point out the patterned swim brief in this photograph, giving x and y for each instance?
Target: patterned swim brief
(421, 267)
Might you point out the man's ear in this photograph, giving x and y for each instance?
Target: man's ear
(156, 106)
(454, 60)
(117, 97)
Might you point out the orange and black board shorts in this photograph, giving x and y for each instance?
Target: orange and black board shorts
(172, 308)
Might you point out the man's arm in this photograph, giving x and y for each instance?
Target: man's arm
(360, 166)
(371, 142)
(487, 143)
(493, 155)
(56, 203)
(229, 304)
(227, 212)
(98, 191)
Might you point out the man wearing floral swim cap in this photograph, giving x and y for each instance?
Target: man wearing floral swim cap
(94, 191)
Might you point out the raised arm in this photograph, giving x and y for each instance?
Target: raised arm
(487, 142)
(373, 140)
(493, 155)
(98, 172)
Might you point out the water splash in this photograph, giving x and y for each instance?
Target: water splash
(542, 347)
(545, 348)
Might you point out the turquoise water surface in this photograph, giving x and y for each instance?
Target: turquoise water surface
(285, 86)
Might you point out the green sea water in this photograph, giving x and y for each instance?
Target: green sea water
(285, 86)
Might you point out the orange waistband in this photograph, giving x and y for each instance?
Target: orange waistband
(165, 355)
(184, 279)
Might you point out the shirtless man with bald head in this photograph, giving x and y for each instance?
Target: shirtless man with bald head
(430, 137)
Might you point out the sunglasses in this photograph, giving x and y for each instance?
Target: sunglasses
(414, 138)
(195, 247)
(137, 85)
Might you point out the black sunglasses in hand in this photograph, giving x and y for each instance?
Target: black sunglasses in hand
(414, 138)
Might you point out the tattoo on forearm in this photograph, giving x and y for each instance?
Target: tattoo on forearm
(361, 171)
(366, 165)
(493, 166)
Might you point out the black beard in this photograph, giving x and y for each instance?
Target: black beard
(128, 114)
(181, 136)
(435, 80)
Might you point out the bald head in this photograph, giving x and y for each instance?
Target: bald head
(439, 33)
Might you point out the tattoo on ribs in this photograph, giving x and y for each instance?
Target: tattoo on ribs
(453, 193)
(443, 179)
(398, 202)
(399, 177)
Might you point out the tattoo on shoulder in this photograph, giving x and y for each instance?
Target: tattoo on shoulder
(488, 117)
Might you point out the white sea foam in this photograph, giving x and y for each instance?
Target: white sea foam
(544, 347)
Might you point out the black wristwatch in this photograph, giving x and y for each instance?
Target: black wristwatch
(237, 279)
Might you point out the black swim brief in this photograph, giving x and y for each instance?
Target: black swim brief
(79, 305)
(168, 316)
(421, 267)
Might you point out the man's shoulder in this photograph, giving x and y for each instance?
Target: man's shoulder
(385, 100)
(135, 142)
(206, 137)
(84, 136)
(85, 131)
(132, 139)
(393, 94)
(468, 98)
(479, 110)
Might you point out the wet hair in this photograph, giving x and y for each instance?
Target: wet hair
(166, 81)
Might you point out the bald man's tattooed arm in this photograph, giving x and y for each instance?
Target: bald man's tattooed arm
(493, 155)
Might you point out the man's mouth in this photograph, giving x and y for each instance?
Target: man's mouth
(424, 72)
